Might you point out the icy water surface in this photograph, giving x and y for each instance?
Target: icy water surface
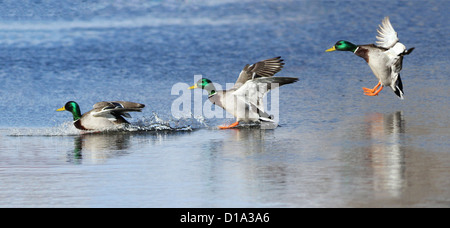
(334, 147)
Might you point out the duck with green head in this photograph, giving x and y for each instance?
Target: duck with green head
(244, 99)
(105, 115)
(385, 59)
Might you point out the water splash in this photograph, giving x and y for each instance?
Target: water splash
(158, 123)
(64, 129)
(153, 123)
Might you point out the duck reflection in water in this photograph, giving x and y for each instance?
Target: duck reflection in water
(252, 138)
(385, 152)
(98, 147)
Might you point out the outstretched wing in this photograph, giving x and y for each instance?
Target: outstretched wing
(387, 37)
(112, 109)
(265, 68)
(253, 91)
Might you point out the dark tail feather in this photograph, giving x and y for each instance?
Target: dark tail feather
(399, 87)
(279, 80)
(274, 82)
(407, 52)
(284, 80)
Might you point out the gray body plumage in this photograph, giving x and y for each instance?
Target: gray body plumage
(107, 114)
(385, 59)
(245, 99)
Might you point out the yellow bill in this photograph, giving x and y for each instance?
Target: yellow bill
(193, 87)
(331, 49)
(61, 109)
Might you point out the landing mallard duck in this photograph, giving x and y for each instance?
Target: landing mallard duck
(106, 114)
(245, 99)
(385, 58)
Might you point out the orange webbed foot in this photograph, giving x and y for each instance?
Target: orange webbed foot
(367, 90)
(229, 126)
(374, 91)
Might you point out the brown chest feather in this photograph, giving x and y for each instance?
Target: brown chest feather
(78, 125)
(363, 53)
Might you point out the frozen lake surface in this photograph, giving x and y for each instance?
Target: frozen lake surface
(334, 147)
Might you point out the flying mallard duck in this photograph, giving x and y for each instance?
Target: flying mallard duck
(385, 58)
(106, 114)
(245, 99)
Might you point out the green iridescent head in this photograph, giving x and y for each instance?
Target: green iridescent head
(205, 84)
(72, 107)
(343, 45)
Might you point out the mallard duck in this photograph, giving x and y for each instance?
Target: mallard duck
(106, 114)
(385, 58)
(245, 99)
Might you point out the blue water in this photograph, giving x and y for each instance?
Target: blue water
(335, 147)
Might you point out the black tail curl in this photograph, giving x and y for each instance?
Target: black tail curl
(407, 52)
